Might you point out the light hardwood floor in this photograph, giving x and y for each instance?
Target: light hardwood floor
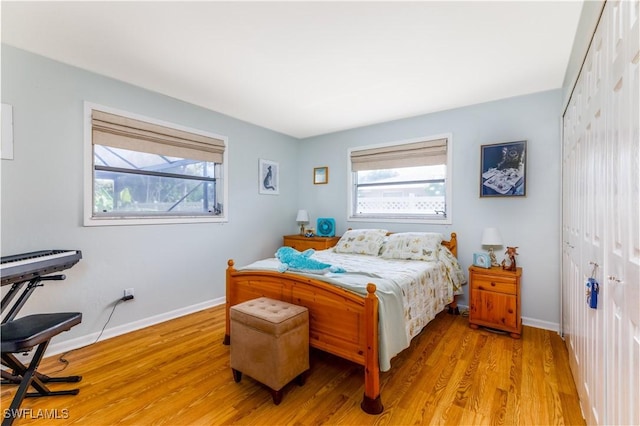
(177, 373)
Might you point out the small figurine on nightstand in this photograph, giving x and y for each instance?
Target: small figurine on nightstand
(509, 263)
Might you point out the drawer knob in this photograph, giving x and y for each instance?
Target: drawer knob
(493, 284)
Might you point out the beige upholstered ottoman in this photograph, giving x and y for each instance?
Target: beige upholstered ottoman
(270, 343)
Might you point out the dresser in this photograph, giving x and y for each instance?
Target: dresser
(494, 299)
(301, 243)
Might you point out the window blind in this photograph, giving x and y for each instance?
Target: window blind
(127, 133)
(424, 153)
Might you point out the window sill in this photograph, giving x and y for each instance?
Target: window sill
(129, 221)
(382, 219)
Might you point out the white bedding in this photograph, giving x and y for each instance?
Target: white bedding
(410, 292)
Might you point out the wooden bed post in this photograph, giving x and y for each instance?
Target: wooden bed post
(371, 403)
(230, 289)
(364, 325)
(452, 245)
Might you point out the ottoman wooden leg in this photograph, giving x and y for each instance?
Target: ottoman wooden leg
(277, 396)
(237, 375)
(301, 379)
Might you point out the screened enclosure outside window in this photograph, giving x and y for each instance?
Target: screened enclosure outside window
(137, 183)
(143, 170)
(407, 181)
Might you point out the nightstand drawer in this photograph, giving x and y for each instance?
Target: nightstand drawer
(494, 284)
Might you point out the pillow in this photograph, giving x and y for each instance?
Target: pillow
(412, 246)
(361, 241)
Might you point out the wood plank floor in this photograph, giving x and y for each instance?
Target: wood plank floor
(177, 373)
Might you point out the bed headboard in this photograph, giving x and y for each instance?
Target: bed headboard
(452, 244)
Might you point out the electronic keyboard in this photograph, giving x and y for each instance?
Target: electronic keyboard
(27, 266)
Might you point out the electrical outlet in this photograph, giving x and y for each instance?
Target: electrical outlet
(128, 292)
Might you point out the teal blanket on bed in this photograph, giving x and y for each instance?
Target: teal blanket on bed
(410, 293)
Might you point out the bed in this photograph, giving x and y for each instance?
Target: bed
(355, 315)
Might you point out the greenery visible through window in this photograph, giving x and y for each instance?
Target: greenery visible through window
(145, 169)
(401, 182)
(136, 183)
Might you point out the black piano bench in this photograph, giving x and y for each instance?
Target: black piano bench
(22, 335)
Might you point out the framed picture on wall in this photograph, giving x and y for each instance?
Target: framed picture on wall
(320, 175)
(269, 177)
(503, 169)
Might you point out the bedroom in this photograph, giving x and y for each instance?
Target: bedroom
(178, 269)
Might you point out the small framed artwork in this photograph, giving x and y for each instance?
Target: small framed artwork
(503, 169)
(269, 177)
(320, 175)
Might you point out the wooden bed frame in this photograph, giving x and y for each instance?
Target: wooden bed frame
(340, 322)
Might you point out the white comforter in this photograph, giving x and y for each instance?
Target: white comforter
(410, 292)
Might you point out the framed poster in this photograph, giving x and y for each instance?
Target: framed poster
(503, 169)
(269, 177)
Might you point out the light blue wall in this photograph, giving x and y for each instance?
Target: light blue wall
(170, 266)
(173, 267)
(531, 223)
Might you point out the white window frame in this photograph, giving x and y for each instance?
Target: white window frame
(90, 220)
(446, 220)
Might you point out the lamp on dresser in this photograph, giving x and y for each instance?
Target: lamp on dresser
(491, 238)
(302, 218)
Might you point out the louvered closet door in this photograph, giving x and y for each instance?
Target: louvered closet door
(623, 235)
(601, 215)
(592, 262)
(583, 206)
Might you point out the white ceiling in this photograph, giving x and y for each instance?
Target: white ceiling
(309, 68)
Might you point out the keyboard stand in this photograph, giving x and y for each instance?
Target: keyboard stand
(24, 296)
(23, 334)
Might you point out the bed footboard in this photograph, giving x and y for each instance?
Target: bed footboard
(340, 322)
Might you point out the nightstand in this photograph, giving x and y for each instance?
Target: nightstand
(301, 243)
(494, 299)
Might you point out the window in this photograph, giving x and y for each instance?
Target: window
(143, 171)
(407, 181)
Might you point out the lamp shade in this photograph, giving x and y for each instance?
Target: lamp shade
(303, 216)
(491, 237)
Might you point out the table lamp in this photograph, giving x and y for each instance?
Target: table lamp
(302, 218)
(491, 238)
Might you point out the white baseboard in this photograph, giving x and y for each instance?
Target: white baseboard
(78, 342)
(545, 325)
(531, 322)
